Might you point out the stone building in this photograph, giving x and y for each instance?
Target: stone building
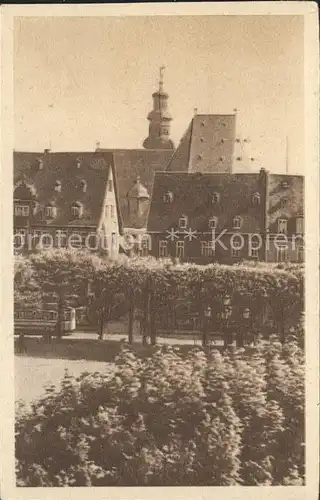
(209, 183)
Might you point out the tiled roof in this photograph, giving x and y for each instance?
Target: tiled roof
(286, 199)
(133, 163)
(210, 145)
(43, 171)
(192, 196)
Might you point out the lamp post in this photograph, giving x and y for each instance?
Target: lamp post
(206, 326)
(244, 327)
(226, 314)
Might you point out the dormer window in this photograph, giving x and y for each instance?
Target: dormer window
(284, 185)
(183, 222)
(51, 211)
(215, 198)
(40, 163)
(83, 185)
(76, 210)
(256, 199)
(168, 197)
(236, 222)
(282, 226)
(213, 222)
(57, 186)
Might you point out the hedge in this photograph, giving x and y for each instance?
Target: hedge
(171, 420)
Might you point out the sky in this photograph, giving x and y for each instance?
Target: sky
(82, 80)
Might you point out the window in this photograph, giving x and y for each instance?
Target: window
(110, 185)
(300, 254)
(282, 226)
(254, 253)
(21, 210)
(51, 211)
(282, 253)
(235, 252)
(183, 222)
(180, 249)
(106, 211)
(284, 185)
(168, 197)
(76, 210)
(236, 222)
(222, 158)
(144, 247)
(213, 222)
(78, 162)
(165, 132)
(239, 158)
(57, 186)
(207, 249)
(83, 185)
(163, 248)
(283, 202)
(75, 240)
(46, 240)
(61, 238)
(19, 238)
(215, 198)
(299, 225)
(256, 199)
(112, 211)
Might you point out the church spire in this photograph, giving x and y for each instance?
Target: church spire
(159, 119)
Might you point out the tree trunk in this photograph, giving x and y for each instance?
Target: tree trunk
(60, 315)
(146, 313)
(153, 329)
(131, 320)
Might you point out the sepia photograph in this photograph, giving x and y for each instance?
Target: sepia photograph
(160, 240)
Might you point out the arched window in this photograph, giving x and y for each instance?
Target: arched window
(256, 199)
(168, 197)
(183, 222)
(236, 222)
(215, 198)
(213, 222)
(76, 210)
(57, 186)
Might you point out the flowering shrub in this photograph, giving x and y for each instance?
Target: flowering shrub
(203, 418)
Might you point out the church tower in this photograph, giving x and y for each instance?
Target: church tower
(159, 118)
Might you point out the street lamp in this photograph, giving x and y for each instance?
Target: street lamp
(245, 323)
(206, 326)
(225, 315)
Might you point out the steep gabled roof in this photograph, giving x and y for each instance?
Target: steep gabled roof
(207, 146)
(192, 196)
(43, 171)
(133, 163)
(210, 145)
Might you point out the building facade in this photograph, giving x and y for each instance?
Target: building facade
(228, 218)
(204, 201)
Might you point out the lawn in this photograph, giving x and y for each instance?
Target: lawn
(33, 374)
